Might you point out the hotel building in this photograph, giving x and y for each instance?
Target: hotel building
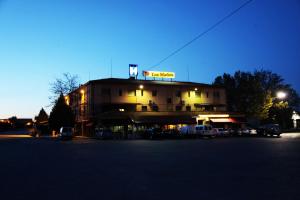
(131, 105)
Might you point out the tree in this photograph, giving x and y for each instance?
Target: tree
(42, 116)
(61, 115)
(63, 85)
(14, 121)
(254, 94)
(228, 82)
(244, 93)
(41, 122)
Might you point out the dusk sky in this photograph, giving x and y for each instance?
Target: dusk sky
(41, 39)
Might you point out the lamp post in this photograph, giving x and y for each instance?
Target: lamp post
(281, 95)
(279, 108)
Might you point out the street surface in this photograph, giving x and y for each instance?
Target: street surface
(220, 168)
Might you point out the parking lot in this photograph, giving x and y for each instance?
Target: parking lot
(220, 168)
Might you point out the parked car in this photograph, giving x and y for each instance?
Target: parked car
(171, 133)
(223, 132)
(66, 133)
(103, 133)
(187, 131)
(252, 131)
(205, 131)
(231, 131)
(269, 129)
(246, 131)
(154, 133)
(242, 132)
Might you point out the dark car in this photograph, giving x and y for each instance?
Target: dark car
(269, 129)
(66, 133)
(154, 133)
(103, 133)
(170, 133)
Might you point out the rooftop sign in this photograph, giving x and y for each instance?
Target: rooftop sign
(156, 74)
(133, 70)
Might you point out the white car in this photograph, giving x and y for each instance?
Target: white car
(66, 133)
(206, 130)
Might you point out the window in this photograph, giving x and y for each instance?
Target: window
(169, 100)
(144, 108)
(178, 108)
(155, 108)
(105, 91)
(154, 93)
(120, 92)
(178, 93)
(131, 93)
(198, 93)
(217, 94)
(188, 108)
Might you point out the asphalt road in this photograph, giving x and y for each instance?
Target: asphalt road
(221, 168)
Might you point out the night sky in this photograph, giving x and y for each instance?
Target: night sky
(40, 40)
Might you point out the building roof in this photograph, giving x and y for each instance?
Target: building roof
(150, 82)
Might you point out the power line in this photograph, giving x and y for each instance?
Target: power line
(204, 32)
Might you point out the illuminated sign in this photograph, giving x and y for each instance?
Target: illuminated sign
(133, 70)
(156, 74)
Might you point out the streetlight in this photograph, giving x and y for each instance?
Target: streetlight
(281, 95)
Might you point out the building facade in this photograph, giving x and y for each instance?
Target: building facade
(130, 105)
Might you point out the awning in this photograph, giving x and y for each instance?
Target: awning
(223, 120)
(165, 120)
(114, 118)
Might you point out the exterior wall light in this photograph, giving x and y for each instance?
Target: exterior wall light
(141, 87)
(196, 89)
(82, 91)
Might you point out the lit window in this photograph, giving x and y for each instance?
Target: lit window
(198, 93)
(131, 93)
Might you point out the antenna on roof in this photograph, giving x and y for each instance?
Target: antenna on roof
(188, 73)
(111, 68)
